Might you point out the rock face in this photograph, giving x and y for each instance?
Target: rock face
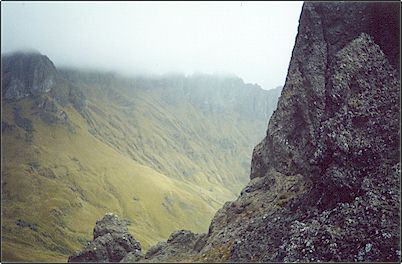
(33, 74)
(27, 73)
(337, 120)
(218, 94)
(181, 245)
(325, 180)
(111, 242)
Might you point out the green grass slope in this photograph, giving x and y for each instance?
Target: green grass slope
(149, 155)
(63, 182)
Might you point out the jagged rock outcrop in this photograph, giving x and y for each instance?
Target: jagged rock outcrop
(181, 245)
(338, 114)
(334, 139)
(111, 242)
(33, 75)
(325, 180)
(27, 73)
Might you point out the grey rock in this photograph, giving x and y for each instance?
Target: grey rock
(25, 124)
(133, 256)
(181, 244)
(33, 74)
(326, 177)
(5, 127)
(23, 223)
(110, 223)
(111, 242)
(27, 73)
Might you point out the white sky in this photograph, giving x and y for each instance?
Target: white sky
(252, 40)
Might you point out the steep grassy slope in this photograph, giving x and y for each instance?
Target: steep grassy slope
(64, 181)
(155, 157)
(197, 129)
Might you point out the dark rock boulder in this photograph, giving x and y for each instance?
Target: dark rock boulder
(111, 242)
(5, 127)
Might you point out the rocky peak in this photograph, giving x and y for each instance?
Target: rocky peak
(111, 242)
(27, 73)
(110, 223)
(332, 148)
(336, 71)
(31, 74)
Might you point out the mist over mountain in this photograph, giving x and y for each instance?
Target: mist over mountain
(165, 152)
(253, 40)
(112, 166)
(324, 182)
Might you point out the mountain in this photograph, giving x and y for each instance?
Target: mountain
(324, 183)
(27, 74)
(162, 152)
(192, 112)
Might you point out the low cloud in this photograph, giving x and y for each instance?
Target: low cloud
(252, 40)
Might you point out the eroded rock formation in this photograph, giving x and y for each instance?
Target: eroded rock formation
(111, 242)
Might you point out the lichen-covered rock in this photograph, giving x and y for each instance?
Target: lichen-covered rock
(110, 223)
(181, 245)
(325, 180)
(111, 242)
(133, 256)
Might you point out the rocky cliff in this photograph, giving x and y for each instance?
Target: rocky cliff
(29, 73)
(325, 180)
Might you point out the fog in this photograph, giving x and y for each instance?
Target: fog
(252, 40)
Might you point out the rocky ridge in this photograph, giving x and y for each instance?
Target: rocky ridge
(325, 180)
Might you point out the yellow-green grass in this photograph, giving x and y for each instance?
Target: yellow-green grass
(79, 179)
(180, 138)
(161, 166)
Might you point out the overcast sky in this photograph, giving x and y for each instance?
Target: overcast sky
(252, 40)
